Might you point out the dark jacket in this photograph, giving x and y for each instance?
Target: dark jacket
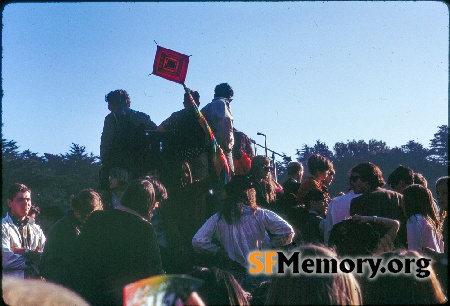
(58, 262)
(115, 248)
(124, 144)
(382, 203)
(291, 186)
(188, 137)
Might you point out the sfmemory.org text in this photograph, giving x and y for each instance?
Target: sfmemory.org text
(272, 262)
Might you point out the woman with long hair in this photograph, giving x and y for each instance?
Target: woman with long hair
(241, 226)
(424, 228)
(265, 186)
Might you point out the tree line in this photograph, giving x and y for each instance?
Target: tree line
(431, 162)
(54, 178)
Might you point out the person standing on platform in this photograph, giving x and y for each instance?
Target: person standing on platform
(123, 138)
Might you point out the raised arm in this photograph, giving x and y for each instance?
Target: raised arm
(390, 225)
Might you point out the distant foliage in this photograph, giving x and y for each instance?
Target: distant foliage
(52, 178)
(432, 163)
(439, 146)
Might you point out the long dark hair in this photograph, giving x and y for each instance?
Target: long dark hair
(233, 205)
(418, 200)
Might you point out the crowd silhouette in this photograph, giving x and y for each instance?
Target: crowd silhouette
(162, 208)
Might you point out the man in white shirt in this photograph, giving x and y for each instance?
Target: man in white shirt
(22, 239)
(339, 209)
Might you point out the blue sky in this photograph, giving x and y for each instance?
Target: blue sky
(301, 71)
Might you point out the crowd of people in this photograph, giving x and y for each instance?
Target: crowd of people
(179, 217)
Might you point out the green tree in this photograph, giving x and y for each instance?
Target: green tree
(415, 149)
(439, 145)
(52, 178)
(377, 147)
(322, 149)
(304, 153)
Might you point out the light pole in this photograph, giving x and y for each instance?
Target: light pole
(265, 141)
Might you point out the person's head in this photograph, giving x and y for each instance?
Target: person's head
(353, 238)
(30, 292)
(366, 177)
(316, 200)
(239, 191)
(84, 203)
(219, 287)
(18, 199)
(195, 96)
(118, 178)
(223, 90)
(419, 200)
(34, 212)
(420, 179)
(442, 192)
(295, 170)
(401, 177)
(319, 166)
(261, 168)
(160, 189)
(117, 100)
(140, 196)
(304, 289)
(421, 287)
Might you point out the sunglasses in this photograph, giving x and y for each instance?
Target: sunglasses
(267, 168)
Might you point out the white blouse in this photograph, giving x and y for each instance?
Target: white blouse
(246, 235)
(421, 234)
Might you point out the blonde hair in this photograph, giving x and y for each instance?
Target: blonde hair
(30, 292)
(330, 289)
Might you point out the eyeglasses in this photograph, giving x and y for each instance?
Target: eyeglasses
(267, 168)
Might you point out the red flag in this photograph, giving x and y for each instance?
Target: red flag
(170, 65)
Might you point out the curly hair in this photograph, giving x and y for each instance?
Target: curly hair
(119, 97)
(223, 90)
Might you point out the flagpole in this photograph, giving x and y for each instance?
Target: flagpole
(208, 130)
